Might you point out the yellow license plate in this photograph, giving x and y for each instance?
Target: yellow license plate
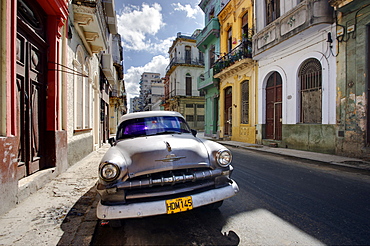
(179, 204)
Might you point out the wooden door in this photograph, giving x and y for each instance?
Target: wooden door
(31, 85)
(228, 111)
(274, 107)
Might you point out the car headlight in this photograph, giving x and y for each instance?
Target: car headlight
(223, 157)
(109, 171)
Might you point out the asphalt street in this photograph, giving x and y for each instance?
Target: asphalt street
(282, 201)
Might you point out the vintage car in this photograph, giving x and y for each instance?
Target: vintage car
(157, 165)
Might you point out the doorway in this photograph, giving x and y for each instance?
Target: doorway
(274, 107)
(31, 86)
(228, 111)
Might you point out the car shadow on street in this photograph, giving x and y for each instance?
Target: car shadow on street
(201, 226)
(80, 222)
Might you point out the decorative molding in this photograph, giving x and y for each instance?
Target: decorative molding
(91, 36)
(96, 49)
(83, 19)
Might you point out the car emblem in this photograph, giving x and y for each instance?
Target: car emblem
(171, 158)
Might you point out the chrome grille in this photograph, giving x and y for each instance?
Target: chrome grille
(170, 178)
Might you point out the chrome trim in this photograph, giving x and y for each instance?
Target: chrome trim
(171, 180)
(144, 209)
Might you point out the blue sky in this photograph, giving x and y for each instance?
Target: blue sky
(148, 29)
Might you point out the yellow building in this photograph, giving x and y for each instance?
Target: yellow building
(237, 73)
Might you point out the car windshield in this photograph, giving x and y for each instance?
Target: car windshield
(152, 126)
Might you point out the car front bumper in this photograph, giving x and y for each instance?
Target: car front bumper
(144, 209)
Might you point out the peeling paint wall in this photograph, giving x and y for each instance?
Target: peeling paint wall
(352, 80)
(8, 172)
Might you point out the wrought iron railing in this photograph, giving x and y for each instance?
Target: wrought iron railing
(184, 61)
(242, 51)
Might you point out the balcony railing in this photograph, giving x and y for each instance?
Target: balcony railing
(242, 51)
(184, 61)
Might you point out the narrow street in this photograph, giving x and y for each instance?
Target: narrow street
(281, 201)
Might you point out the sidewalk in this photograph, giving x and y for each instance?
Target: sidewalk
(306, 155)
(63, 211)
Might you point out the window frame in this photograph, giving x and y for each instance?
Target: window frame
(310, 86)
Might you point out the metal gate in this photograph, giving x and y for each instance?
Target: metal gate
(31, 84)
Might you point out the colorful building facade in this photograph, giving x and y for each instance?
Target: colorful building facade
(181, 93)
(32, 136)
(209, 44)
(237, 73)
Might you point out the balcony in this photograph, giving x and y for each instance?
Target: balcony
(306, 15)
(212, 30)
(238, 56)
(206, 80)
(180, 61)
(108, 68)
(87, 22)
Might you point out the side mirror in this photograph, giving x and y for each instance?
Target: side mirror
(111, 141)
(194, 132)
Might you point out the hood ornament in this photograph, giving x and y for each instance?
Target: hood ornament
(170, 157)
(169, 149)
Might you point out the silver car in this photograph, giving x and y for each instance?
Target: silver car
(157, 165)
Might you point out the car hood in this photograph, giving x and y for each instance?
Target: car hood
(144, 155)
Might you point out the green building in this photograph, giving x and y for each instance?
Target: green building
(353, 81)
(208, 43)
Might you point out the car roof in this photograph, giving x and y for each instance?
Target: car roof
(149, 114)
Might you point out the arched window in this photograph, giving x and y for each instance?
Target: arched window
(310, 79)
(78, 63)
(83, 91)
(87, 95)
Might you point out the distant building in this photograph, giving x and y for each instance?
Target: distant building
(181, 93)
(135, 104)
(146, 94)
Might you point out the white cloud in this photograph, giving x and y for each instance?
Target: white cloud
(164, 45)
(158, 64)
(191, 11)
(136, 23)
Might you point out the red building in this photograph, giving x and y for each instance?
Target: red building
(33, 34)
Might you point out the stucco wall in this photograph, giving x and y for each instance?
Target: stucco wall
(8, 169)
(79, 148)
(81, 143)
(287, 61)
(317, 138)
